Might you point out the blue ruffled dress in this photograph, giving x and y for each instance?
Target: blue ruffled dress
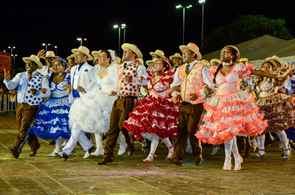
(51, 121)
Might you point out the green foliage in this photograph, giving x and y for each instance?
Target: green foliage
(247, 27)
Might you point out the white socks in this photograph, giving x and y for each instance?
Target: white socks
(261, 140)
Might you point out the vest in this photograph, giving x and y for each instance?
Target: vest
(125, 88)
(192, 83)
(35, 83)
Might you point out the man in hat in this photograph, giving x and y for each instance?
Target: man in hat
(192, 78)
(32, 87)
(157, 54)
(81, 76)
(177, 60)
(130, 75)
(71, 62)
(49, 58)
(95, 55)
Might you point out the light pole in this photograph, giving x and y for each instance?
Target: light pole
(123, 26)
(55, 49)
(119, 43)
(11, 48)
(81, 40)
(13, 55)
(183, 18)
(202, 2)
(45, 44)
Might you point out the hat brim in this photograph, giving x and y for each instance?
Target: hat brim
(44, 57)
(89, 57)
(149, 63)
(282, 63)
(183, 47)
(133, 48)
(165, 61)
(95, 53)
(26, 59)
(153, 53)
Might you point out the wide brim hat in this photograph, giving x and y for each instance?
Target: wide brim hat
(71, 57)
(132, 47)
(158, 52)
(151, 62)
(205, 62)
(282, 63)
(49, 54)
(95, 52)
(193, 47)
(165, 59)
(235, 48)
(215, 61)
(35, 59)
(83, 50)
(176, 55)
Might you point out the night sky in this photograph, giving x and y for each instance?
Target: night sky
(150, 24)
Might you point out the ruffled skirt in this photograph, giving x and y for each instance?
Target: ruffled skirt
(153, 115)
(51, 121)
(92, 111)
(279, 110)
(230, 115)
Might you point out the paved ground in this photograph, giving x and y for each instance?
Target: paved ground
(129, 175)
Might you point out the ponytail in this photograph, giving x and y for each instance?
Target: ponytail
(218, 68)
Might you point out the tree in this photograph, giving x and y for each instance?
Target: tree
(247, 27)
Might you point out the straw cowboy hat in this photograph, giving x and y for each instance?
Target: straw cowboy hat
(96, 52)
(193, 47)
(158, 52)
(140, 60)
(49, 54)
(205, 62)
(83, 50)
(132, 47)
(165, 59)
(215, 61)
(35, 59)
(151, 62)
(279, 63)
(235, 48)
(71, 57)
(176, 55)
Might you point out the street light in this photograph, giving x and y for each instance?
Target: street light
(55, 49)
(183, 18)
(44, 44)
(202, 2)
(14, 55)
(123, 26)
(81, 40)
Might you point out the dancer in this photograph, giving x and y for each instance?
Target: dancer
(82, 76)
(190, 78)
(156, 116)
(92, 111)
(231, 111)
(277, 107)
(130, 75)
(32, 87)
(51, 121)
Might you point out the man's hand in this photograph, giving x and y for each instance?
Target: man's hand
(128, 79)
(113, 93)
(80, 89)
(43, 90)
(33, 91)
(6, 74)
(175, 88)
(140, 79)
(208, 90)
(176, 99)
(193, 97)
(41, 53)
(67, 86)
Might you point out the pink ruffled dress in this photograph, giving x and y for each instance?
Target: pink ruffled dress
(156, 113)
(231, 111)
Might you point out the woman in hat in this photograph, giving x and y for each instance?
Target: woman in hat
(92, 111)
(51, 121)
(278, 108)
(231, 111)
(156, 116)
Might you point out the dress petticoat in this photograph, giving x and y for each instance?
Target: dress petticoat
(156, 113)
(51, 120)
(92, 111)
(230, 111)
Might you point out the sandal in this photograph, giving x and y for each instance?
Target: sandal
(258, 155)
(287, 156)
(150, 158)
(238, 162)
(170, 154)
(227, 164)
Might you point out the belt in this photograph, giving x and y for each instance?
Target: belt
(127, 97)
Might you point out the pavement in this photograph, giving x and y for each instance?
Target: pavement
(130, 175)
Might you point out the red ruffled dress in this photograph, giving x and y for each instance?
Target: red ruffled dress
(231, 111)
(156, 113)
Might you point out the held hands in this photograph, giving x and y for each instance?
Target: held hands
(139, 79)
(193, 97)
(68, 86)
(113, 93)
(176, 99)
(80, 89)
(207, 90)
(128, 79)
(43, 90)
(33, 91)
(6, 74)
